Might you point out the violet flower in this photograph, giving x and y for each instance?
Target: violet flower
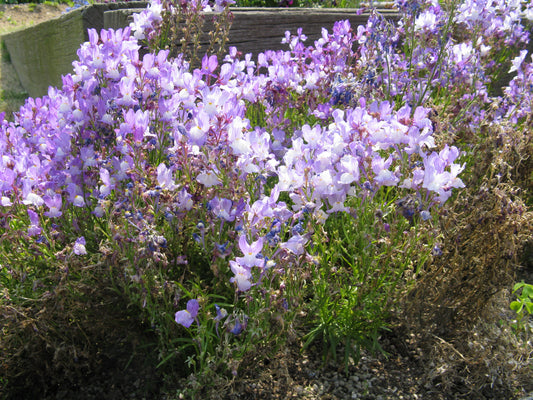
(79, 246)
(35, 226)
(188, 316)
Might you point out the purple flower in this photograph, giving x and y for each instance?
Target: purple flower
(220, 5)
(108, 182)
(6, 201)
(127, 92)
(33, 199)
(222, 209)
(165, 177)
(238, 327)
(35, 227)
(209, 64)
(242, 276)
(437, 178)
(250, 251)
(79, 246)
(200, 128)
(296, 244)
(517, 62)
(208, 178)
(184, 201)
(221, 314)
(427, 20)
(54, 205)
(188, 316)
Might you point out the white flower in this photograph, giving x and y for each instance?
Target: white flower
(517, 61)
(79, 246)
(33, 199)
(208, 179)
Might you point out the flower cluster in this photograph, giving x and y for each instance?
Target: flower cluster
(519, 93)
(149, 143)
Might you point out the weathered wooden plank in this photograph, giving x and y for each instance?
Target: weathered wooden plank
(255, 30)
(41, 54)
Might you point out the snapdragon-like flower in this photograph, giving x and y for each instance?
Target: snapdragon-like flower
(224, 210)
(242, 276)
(165, 177)
(33, 199)
(427, 20)
(251, 252)
(437, 177)
(6, 201)
(54, 204)
(146, 21)
(35, 226)
(188, 316)
(221, 313)
(517, 61)
(220, 5)
(208, 178)
(238, 325)
(79, 246)
(184, 200)
(123, 124)
(296, 244)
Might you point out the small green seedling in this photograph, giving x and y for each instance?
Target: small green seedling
(523, 305)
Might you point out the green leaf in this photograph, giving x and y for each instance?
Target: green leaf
(517, 306)
(518, 286)
(165, 360)
(527, 291)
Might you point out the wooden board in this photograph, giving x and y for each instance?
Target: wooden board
(255, 30)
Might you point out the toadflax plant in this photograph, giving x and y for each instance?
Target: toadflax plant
(237, 196)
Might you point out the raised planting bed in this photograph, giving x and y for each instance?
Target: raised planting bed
(255, 30)
(43, 53)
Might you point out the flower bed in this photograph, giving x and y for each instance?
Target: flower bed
(301, 194)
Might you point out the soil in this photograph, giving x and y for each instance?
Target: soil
(404, 374)
(19, 16)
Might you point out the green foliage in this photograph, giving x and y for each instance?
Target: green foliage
(523, 305)
(359, 265)
(364, 261)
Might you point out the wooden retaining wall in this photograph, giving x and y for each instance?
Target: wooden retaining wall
(43, 53)
(255, 30)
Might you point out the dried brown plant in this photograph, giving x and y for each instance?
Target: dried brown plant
(485, 234)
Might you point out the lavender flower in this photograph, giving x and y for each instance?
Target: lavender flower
(79, 246)
(35, 226)
(188, 316)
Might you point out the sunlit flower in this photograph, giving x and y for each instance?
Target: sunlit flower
(242, 276)
(188, 316)
(79, 246)
(250, 251)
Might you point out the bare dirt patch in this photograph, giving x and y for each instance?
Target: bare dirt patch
(20, 16)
